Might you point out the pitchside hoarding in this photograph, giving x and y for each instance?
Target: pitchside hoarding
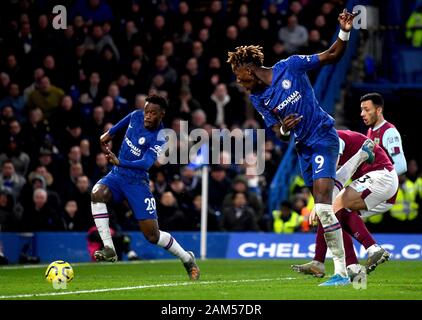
(296, 246)
(73, 246)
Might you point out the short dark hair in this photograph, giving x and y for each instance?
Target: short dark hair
(375, 97)
(161, 101)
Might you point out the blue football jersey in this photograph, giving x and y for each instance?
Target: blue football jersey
(140, 148)
(291, 92)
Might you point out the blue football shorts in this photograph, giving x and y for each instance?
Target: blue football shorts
(319, 160)
(139, 196)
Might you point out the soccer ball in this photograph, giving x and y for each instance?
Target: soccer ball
(59, 272)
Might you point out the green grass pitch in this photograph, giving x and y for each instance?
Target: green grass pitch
(220, 279)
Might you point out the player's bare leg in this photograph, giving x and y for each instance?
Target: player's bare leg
(350, 198)
(323, 190)
(100, 196)
(163, 239)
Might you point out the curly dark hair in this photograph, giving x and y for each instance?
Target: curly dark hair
(246, 55)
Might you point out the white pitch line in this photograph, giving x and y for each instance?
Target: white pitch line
(33, 295)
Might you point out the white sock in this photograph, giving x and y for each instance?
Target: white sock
(356, 268)
(347, 170)
(101, 218)
(333, 236)
(372, 249)
(167, 242)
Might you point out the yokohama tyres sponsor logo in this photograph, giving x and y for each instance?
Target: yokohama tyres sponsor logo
(293, 98)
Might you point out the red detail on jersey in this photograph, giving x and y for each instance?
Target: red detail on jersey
(353, 142)
(378, 135)
(396, 150)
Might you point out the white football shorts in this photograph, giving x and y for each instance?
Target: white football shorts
(376, 187)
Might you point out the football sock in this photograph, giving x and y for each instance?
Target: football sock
(167, 242)
(321, 246)
(101, 218)
(353, 223)
(333, 236)
(347, 170)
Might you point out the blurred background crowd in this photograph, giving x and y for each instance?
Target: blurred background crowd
(61, 89)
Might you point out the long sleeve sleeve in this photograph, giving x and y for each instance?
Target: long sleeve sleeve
(392, 143)
(146, 162)
(120, 125)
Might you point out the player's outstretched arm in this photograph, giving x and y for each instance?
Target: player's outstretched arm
(336, 51)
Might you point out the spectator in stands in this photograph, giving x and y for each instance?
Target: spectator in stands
(39, 216)
(82, 197)
(222, 111)
(191, 180)
(320, 23)
(14, 99)
(240, 184)
(69, 186)
(293, 35)
(286, 220)
(162, 68)
(52, 72)
(170, 217)
(194, 217)
(299, 206)
(56, 167)
(14, 132)
(15, 154)
(239, 217)
(315, 44)
(414, 27)
(95, 126)
(406, 209)
(73, 135)
(10, 180)
(101, 168)
(182, 195)
(38, 75)
(62, 116)
(120, 103)
(70, 217)
(160, 183)
(35, 132)
(220, 186)
(47, 97)
(10, 212)
(92, 11)
(93, 91)
(185, 104)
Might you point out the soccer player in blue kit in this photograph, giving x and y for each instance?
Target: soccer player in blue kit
(129, 180)
(286, 101)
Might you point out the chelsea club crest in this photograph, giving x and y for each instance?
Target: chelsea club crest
(141, 140)
(286, 84)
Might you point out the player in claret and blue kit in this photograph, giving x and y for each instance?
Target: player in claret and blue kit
(285, 99)
(129, 180)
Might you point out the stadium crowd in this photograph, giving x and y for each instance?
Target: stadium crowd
(61, 89)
